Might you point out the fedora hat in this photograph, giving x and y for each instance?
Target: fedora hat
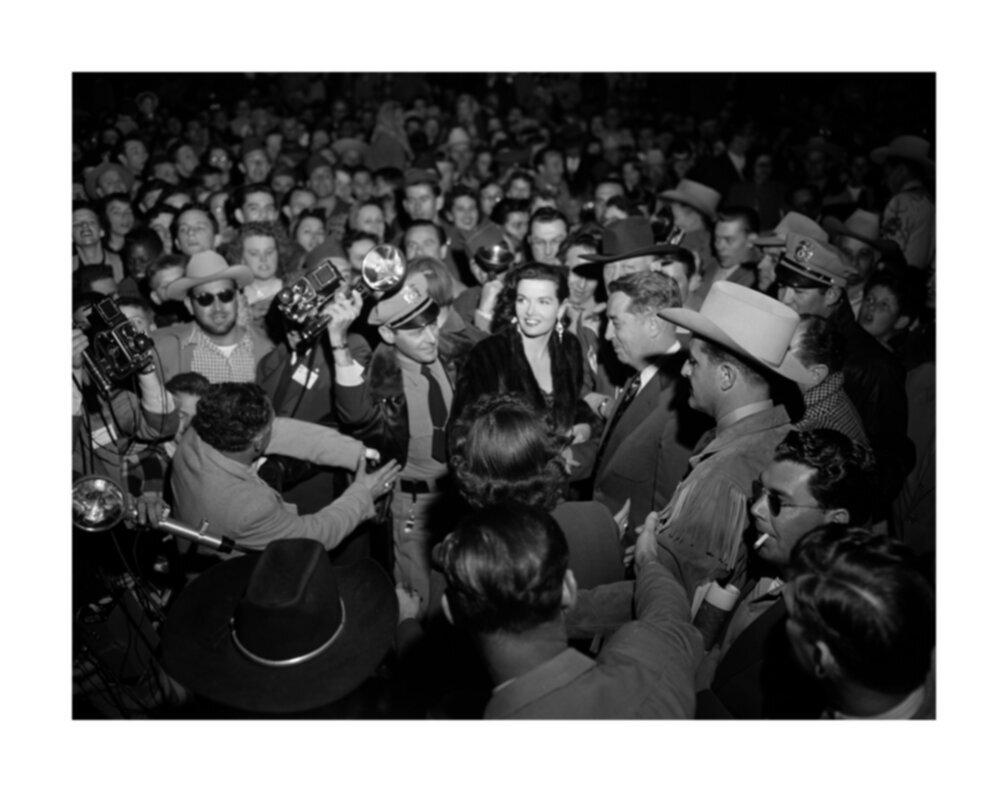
(93, 175)
(692, 193)
(205, 267)
(908, 147)
(792, 223)
(623, 239)
(750, 324)
(862, 226)
(282, 631)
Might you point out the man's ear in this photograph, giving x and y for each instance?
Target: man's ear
(727, 376)
(439, 202)
(568, 596)
(446, 609)
(751, 240)
(838, 516)
(833, 294)
(824, 663)
(387, 335)
(240, 215)
(819, 370)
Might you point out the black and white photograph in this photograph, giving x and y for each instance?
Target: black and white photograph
(485, 417)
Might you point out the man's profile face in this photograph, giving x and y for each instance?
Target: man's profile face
(420, 202)
(676, 270)
(257, 166)
(419, 343)
(628, 332)
(617, 269)
(422, 241)
(702, 373)
(603, 193)
(545, 240)
(259, 206)
(732, 243)
(218, 318)
(859, 255)
(195, 232)
(322, 182)
(185, 403)
(785, 482)
(804, 300)
(135, 155)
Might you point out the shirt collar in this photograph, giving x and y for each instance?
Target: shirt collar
(651, 369)
(744, 411)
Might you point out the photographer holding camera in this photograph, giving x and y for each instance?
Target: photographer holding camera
(116, 431)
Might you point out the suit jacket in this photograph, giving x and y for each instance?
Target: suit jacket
(644, 671)
(758, 677)
(643, 459)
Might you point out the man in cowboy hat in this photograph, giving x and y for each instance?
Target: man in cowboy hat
(909, 217)
(740, 342)
(509, 586)
(399, 403)
(694, 210)
(628, 246)
(284, 633)
(861, 246)
(213, 344)
(812, 279)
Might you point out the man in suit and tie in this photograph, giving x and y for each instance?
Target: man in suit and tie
(639, 457)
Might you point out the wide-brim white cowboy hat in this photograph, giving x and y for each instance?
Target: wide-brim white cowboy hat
(206, 267)
(748, 323)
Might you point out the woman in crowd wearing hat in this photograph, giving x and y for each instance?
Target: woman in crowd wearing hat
(532, 355)
(694, 210)
(503, 449)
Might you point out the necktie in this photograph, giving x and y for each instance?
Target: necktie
(439, 415)
(628, 395)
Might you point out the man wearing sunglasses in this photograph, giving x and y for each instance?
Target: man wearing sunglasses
(213, 344)
(816, 478)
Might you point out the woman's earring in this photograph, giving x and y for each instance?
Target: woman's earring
(514, 320)
(560, 330)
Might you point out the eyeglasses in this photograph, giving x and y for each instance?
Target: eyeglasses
(207, 298)
(774, 499)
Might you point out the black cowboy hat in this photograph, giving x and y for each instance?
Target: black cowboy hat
(623, 239)
(280, 632)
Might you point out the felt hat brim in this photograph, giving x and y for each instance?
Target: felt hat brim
(594, 262)
(239, 273)
(700, 325)
(200, 653)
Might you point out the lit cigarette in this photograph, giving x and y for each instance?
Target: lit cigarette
(758, 543)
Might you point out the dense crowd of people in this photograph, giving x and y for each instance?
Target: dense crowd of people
(643, 426)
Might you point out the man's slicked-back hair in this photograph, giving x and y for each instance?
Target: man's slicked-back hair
(504, 568)
(845, 470)
(231, 414)
(863, 596)
(648, 291)
(821, 342)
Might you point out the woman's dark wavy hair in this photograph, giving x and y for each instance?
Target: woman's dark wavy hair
(231, 414)
(505, 309)
(503, 449)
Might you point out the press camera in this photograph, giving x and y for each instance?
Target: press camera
(116, 348)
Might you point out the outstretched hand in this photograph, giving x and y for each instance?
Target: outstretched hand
(380, 481)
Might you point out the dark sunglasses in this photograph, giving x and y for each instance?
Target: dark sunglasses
(207, 298)
(773, 499)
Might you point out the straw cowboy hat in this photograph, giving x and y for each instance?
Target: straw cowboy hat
(282, 631)
(750, 324)
(692, 193)
(624, 239)
(206, 267)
